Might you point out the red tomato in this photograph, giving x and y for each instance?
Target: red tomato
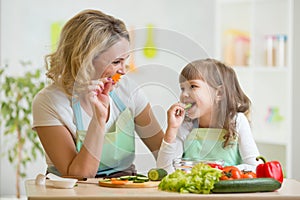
(248, 174)
(224, 177)
(231, 172)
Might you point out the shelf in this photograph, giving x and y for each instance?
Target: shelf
(242, 27)
(270, 142)
(262, 68)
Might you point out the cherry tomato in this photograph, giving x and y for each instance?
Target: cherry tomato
(215, 165)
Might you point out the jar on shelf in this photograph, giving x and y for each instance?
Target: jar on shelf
(270, 50)
(229, 47)
(281, 50)
(242, 50)
(236, 47)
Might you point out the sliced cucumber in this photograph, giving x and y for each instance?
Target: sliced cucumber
(135, 179)
(125, 177)
(138, 181)
(104, 180)
(145, 179)
(157, 174)
(141, 175)
(129, 178)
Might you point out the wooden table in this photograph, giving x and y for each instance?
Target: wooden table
(90, 190)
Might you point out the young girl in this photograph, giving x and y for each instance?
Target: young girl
(215, 125)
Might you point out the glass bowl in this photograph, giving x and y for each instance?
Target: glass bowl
(186, 164)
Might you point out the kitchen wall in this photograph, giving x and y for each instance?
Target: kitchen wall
(294, 147)
(184, 31)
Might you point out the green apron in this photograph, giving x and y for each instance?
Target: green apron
(207, 144)
(119, 146)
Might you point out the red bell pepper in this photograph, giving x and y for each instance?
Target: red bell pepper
(270, 169)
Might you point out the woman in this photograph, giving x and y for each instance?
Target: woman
(85, 120)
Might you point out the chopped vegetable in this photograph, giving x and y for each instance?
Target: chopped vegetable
(141, 178)
(187, 106)
(138, 181)
(129, 178)
(117, 181)
(201, 180)
(157, 174)
(116, 77)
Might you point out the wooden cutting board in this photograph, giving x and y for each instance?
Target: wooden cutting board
(129, 184)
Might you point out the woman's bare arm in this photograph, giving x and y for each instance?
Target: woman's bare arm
(149, 130)
(59, 146)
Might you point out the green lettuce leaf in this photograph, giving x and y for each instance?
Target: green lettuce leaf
(200, 180)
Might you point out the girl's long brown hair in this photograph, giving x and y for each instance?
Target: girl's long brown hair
(224, 80)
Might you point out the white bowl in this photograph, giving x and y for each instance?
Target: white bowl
(65, 183)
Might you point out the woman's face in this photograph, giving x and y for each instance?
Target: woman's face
(112, 61)
(200, 95)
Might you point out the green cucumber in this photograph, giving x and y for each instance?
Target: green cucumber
(246, 185)
(156, 174)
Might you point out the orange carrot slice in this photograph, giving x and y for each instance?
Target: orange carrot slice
(116, 77)
(116, 181)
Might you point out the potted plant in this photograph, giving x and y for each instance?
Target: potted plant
(17, 93)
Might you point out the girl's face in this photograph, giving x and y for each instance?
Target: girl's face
(200, 95)
(112, 61)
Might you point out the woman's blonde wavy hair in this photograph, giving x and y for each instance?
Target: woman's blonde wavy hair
(224, 80)
(83, 38)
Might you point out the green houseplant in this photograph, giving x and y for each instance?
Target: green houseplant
(21, 142)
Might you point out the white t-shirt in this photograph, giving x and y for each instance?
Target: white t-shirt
(52, 107)
(247, 146)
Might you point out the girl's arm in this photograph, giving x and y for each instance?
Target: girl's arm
(176, 115)
(167, 153)
(172, 146)
(247, 146)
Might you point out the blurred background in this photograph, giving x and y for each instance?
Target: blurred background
(256, 37)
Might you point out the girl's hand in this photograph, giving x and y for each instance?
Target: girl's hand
(175, 118)
(176, 114)
(98, 92)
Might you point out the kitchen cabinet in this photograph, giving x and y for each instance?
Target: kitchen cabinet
(256, 38)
